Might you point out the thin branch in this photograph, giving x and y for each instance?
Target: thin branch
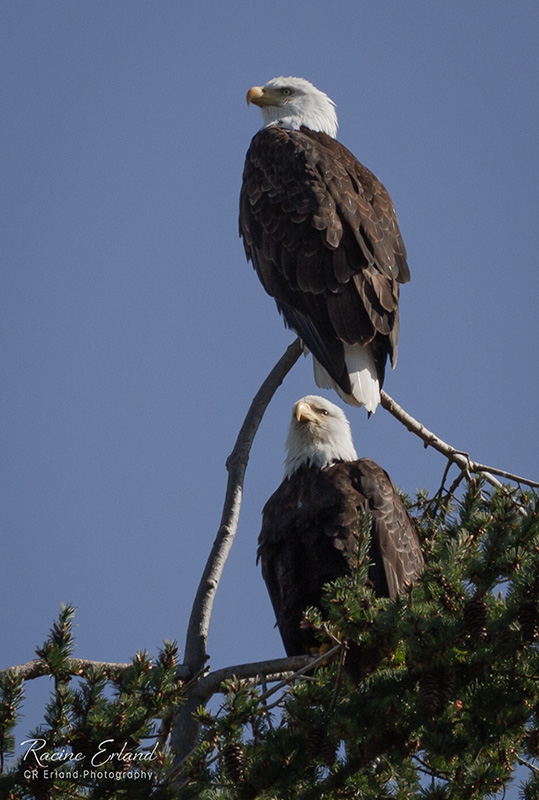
(306, 667)
(457, 456)
(283, 670)
(526, 763)
(440, 491)
(504, 474)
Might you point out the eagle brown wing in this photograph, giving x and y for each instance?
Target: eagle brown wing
(394, 537)
(309, 538)
(323, 236)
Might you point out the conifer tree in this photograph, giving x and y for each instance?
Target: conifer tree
(431, 695)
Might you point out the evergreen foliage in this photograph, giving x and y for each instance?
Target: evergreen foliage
(110, 724)
(438, 694)
(435, 695)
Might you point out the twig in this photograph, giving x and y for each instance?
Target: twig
(526, 763)
(338, 680)
(458, 480)
(439, 493)
(504, 474)
(313, 662)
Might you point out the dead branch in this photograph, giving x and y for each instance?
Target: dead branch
(451, 453)
(199, 621)
(185, 728)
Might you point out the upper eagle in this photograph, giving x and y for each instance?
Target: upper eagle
(323, 236)
(310, 524)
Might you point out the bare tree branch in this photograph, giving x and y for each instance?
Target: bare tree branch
(526, 763)
(199, 622)
(276, 669)
(510, 476)
(456, 456)
(185, 728)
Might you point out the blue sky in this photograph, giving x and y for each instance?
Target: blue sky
(134, 334)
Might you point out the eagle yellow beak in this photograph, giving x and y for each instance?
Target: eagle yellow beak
(261, 97)
(304, 412)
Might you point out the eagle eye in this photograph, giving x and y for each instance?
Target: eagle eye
(286, 91)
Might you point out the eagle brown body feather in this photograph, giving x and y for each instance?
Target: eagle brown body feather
(323, 236)
(309, 535)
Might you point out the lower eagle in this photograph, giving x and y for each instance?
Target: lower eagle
(309, 527)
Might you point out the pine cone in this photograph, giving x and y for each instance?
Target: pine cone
(233, 761)
(532, 742)
(503, 758)
(429, 691)
(475, 618)
(438, 793)
(529, 621)
(315, 742)
(447, 686)
(329, 753)
(320, 746)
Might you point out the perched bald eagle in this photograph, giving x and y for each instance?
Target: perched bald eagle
(309, 527)
(323, 236)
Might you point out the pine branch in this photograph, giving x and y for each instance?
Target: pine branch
(76, 666)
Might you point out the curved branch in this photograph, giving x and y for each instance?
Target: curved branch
(185, 727)
(199, 621)
(283, 670)
(457, 456)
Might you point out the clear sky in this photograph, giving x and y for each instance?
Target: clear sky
(134, 334)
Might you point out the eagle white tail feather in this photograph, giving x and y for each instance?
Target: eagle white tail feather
(363, 377)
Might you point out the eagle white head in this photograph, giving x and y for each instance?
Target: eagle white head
(293, 102)
(319, 435)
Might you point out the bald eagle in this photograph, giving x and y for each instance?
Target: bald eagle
(323, 236)
(309, 525)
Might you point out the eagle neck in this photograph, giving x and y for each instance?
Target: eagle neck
(316, 461)
(316, 123)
